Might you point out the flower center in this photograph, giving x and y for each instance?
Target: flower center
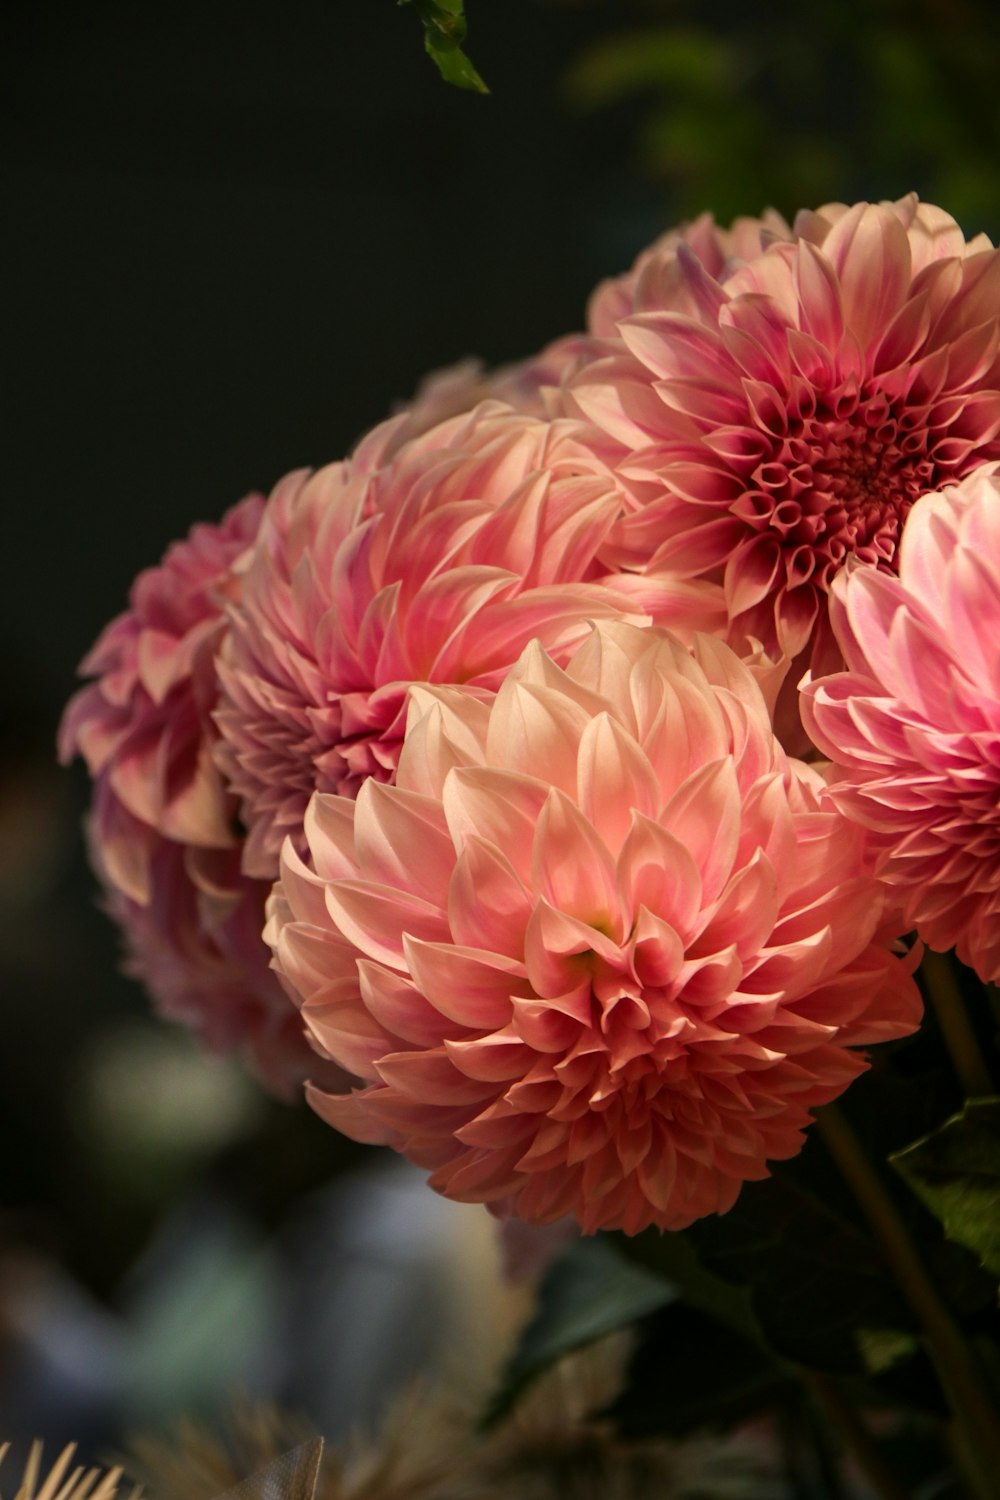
(840, 479)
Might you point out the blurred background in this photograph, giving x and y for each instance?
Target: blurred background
(239, 234)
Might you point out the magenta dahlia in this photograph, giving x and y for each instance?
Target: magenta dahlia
(914, 721)
(783, 409)
(599, 951)
(162, 827)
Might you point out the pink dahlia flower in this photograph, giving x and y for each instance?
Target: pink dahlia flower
(478, 535)
(599, 951)
(783, 410)
(162, 826)
(914, 722)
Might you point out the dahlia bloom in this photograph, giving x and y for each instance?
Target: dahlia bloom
(599, 951)
(162, 825)
(784, 409)
(914, 721)
(438, 566)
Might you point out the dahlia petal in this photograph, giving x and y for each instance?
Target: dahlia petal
(705, 546)
(704, 815)
(376, 921)
(792, 968)
(345, 1114)
(501, 807)
(440, 612)
(424, 1076)
(534, 732)
(302, 889)
(746, 912)
(347, 1030)
(657, 950)
(557, 948)
(655, 870)
(614, 778)
(309, 956)
(469, 985)
(613, 393)
(819, 295)
(431, 749)
(479, 1178)
(489, 1059)
(557, 617)
(401, 839)
(972, 594)
(398, 1005)
(751, 572)
(795, 617)
(329, 830)
(904, 337)
(671, 345)
(571, 865)
(488, 904)
(870, 252)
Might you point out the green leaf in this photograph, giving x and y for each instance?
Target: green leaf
(589, 1292)
(673, 1257)
(955, 1171)
(817, 1286)
(690, 1372)
(444, 32)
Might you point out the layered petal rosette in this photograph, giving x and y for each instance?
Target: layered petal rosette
(914, 721)
(162, 826)
(599, 951)
(783, 410)
(436, 566)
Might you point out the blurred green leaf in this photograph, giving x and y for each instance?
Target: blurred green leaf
(445, 30)
(590, 1291)
(694, 58)
(955, 1172)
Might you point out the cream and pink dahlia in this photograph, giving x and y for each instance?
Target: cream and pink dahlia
(914, 721)
(782, 410)
(162, 827)
(599, 950)
(437, 566)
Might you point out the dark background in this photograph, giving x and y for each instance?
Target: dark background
(236, 235)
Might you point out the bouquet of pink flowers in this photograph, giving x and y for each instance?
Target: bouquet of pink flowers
(564, 786)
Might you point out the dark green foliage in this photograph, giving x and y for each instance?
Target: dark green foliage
(955, 1171)
(689, 1370)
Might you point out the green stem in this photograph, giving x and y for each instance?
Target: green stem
(959, 1038)
(855, 1434)
(973, 1409)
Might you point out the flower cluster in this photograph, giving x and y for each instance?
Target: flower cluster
(520, 710)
